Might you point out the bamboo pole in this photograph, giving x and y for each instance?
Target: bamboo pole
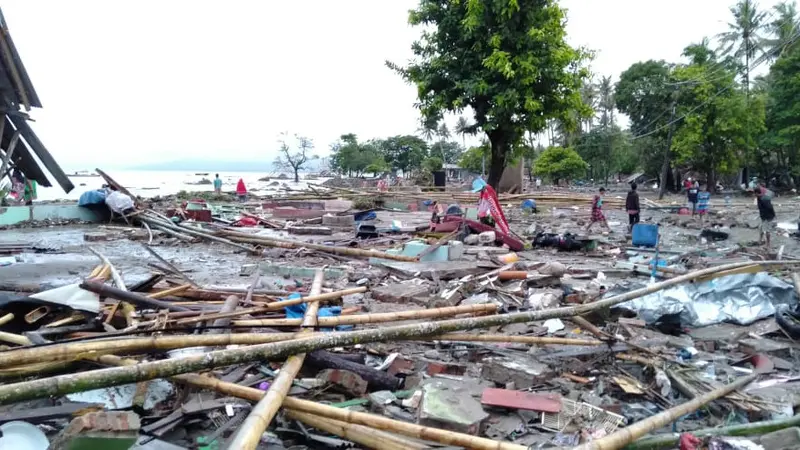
(285, 243)
(171, 291)
(6, 318)
(114, 274)
(76, 350)
(368, 437)
(533, 340)
(375, 318)
(131, 297)
(624, 436)
(670, 440)
(77, 382)
(249, 433)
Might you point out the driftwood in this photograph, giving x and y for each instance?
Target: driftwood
(377, 380)
(77, 382)
(131, 297)
(249, 433)
(620, 438)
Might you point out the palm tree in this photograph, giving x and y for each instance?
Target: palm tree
(463, 128)
(589, 98)
(605, 103)
(427, 130)
(743, 40)
(783, 29)
(443, 132)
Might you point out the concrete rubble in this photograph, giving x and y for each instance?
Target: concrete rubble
(166, 328)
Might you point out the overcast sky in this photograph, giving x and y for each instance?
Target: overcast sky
(126, 83)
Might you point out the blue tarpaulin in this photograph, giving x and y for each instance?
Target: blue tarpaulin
(298, 311)
(95, 197)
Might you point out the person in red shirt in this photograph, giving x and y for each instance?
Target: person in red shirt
(241, 190)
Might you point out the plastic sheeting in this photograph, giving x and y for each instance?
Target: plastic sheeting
(740, 299)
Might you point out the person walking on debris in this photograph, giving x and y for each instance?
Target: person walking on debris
(702, 203)
(632, 205)
(217, 185)
(767, 214)
(597, 211)
(691, 193)
(241, 191)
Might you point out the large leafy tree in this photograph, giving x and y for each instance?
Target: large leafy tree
(783, 115)
(744, 39)
(404, 153)
(351, 157)
(506, 59)
(559, 163)
(645, 93)
(473, 158)
(449, 151)
(718, 126)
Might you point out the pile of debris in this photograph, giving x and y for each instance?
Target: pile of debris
(402, 338)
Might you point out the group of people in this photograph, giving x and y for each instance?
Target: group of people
(698, 197)
(241, 189)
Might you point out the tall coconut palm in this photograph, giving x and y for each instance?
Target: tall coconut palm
(605, 102)
(463, 128)
(589, 98)
(443, 132)
(744, 39)
(783, 30)
(427, 130)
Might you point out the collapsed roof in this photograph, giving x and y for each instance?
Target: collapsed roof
(16, 135)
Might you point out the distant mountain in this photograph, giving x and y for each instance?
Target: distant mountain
(220, 166)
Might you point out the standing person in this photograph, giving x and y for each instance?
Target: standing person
(538, 182)
(29, 194)
(702, 203)
(217, 185)
(632, 205)
(597, 210)
(767, 214)
(691, 193)
(241, 191)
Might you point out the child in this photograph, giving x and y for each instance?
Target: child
(632, 205)
(702, 204)
(597, 210)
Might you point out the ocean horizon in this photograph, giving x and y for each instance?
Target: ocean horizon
(152, 183)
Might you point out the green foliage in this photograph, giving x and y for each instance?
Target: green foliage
(506, 59)
(719, 124)
(404, 153)
(558, 163)
(432, 164)
(781, 144)
(607, 150)
(353, 158)
(473, 158)
(450, 152)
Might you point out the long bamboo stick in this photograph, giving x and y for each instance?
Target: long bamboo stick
(75, 350)
(249, 434)
(285, 243)
(670, 440)
(368, 437)
(374, 318)
(620, 438)
(383, 423)
(114, 274)
(170, 291)
(77, 382)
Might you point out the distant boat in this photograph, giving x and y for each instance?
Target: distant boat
(84, 173)
(202, 174)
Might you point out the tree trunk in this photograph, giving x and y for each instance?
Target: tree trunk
(296, 175)
(497, 162)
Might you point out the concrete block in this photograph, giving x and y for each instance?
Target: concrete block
(401, 293)
(348, 381)
(96, 237)
(347, 221)
(112, 430)
(331, 273)
(455, 250)
(448, 404)
(523, 372)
